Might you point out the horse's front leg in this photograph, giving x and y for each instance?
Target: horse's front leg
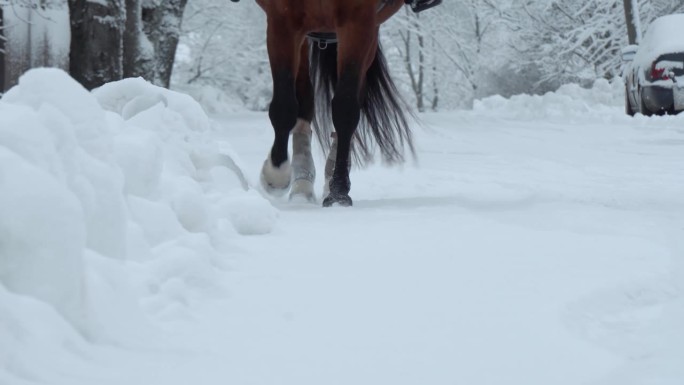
(283, 51)
(355, 55)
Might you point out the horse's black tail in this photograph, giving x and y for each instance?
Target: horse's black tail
(384, 115)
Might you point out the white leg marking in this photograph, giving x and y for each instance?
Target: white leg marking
(304, 171)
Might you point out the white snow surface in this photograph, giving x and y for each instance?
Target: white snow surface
(536, 240)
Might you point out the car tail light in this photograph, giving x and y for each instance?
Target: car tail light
(658, 73)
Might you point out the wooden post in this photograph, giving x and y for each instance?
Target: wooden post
(632, 21)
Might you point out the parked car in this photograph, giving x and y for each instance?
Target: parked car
(654, 70)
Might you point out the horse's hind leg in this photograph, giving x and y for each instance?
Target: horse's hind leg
(355, 54)
(304, 172)
(283, 51)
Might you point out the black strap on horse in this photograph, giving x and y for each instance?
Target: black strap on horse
(323, 39)
(422, 5)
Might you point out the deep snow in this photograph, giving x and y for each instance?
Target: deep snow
(537, 240)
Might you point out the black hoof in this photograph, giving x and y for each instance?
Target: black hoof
(337, 200)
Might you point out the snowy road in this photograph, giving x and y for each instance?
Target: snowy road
(515, 253)
(534, 242)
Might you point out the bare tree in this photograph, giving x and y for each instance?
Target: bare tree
(96, 41)
(415, 72)
(113, 39)
(138, 55)
(2, 53)
(453, 54)
(162, 25)
(224, 47)
(33, 34)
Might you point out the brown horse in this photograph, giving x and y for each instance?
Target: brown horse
(336, 41)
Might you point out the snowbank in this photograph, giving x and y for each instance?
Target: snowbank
(570, 103)
(114, 211)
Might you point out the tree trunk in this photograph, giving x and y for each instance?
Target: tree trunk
(138, 56)
(421, 70)
(417, 79)
(162, 25)
(96, 41)
(2, 54)
(435, 83)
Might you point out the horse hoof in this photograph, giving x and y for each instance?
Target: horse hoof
(302, 191)
(276, 180)
(337, 200)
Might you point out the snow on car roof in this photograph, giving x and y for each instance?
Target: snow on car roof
(663, 36)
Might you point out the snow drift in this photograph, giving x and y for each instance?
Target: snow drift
(569, 103)
(110, 201)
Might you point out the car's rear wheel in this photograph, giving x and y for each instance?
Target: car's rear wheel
(642, 106)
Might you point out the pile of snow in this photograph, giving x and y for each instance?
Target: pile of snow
(570, 101)
(115, 210)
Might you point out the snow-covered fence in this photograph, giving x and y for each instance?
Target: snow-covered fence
(34, 33)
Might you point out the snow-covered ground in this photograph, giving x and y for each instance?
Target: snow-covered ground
(535, 241)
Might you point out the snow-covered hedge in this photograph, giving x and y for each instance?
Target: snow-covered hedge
(109, 201)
